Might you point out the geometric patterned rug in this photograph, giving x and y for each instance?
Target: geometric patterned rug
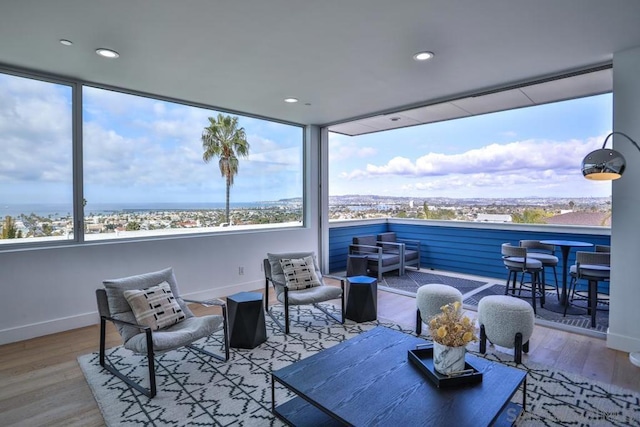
(194, 389)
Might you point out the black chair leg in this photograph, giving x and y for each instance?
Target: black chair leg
(572, 287)
(521, 283)
(518, 348)
(418, 322)
(483, 340)
(226, 333)
(151, 363)
(593, 301)
(534, 284)
(525, 347)
(106, 364)
(286, 326)
(511, 282)
(103, 327)
(286, 311)
(343, 302)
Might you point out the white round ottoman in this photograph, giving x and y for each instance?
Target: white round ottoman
(430, 298)
(505, 321)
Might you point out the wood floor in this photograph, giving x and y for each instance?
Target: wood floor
(41, 383)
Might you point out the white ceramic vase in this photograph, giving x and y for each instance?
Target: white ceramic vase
(447, 360)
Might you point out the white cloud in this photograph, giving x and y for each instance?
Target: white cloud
(525, 168)
(35, 131)
(522, 157)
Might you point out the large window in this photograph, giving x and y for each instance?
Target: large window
(519, 165)
(36, 173)
(144, 172)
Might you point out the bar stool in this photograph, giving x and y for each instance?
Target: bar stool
(516, 261)
(593, 267)
(545, 254)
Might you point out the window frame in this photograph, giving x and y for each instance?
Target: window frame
(77, 86)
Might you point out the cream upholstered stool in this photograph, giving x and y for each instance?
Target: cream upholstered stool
(505, 321)
(430, 298)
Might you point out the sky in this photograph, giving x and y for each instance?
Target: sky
(154, 148)
(135, 150)
(527, 152)
(141, 150)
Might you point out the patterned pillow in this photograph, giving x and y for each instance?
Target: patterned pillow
(155, 307)
(299, 273)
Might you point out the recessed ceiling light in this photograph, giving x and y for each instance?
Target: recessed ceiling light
(107, 53)
(66, 42)
(291, 100)
(423, 56)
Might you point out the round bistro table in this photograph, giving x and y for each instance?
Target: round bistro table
(565, 247)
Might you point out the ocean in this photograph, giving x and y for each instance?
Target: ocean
(59, 210)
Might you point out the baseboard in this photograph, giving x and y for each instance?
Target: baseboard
(34, 330)
(622, 342)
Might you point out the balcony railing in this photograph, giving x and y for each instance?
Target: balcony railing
(463, 247)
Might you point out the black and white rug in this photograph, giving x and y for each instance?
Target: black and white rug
(194, 389)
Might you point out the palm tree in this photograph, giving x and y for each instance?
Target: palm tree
(223, 139)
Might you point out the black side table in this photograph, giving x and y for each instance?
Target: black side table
(362, 301)
(247, 327)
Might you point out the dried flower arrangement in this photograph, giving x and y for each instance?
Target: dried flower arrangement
(451, 328)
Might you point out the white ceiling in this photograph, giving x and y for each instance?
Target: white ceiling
(584, 84)
(348, 59)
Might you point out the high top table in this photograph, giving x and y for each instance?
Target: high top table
(565, 247)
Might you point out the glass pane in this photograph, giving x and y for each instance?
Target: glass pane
(36, 186)
(144, 172)
(520, 165)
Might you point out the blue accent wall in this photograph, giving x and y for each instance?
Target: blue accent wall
(470, 250)
(341, 237)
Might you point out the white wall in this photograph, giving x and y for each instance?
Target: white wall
(624, 316)
(53, 289)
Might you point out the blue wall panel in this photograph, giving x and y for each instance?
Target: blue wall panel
(473, 251)
(341, 237)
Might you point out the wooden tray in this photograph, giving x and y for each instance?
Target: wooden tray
(422, 358)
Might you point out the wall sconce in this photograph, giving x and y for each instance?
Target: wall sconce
(605, 164)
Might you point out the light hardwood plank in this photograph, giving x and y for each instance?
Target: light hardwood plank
(43, 385)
